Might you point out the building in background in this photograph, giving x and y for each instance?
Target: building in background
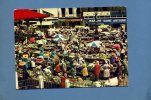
(61, 17)
(114, 16)
(90, 16)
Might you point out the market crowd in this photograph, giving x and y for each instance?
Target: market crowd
(76, 54)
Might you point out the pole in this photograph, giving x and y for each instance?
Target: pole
(41, 24)
(96, 26)
(17, 87)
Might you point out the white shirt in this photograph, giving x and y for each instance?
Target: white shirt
(33, 64)
(67, 83)
(123, 51)
(107, 73)
(41, 81)
(80, 60)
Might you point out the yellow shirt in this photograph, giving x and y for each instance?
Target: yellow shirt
(85, 71)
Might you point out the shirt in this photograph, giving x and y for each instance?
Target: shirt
(85, 71)
(58, 69)
(122, 51)
(33, 64)
(107, 73)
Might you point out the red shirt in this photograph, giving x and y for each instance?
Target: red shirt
(62, 84)
(97, 69)
(58, 69)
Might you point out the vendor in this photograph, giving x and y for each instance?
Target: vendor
(84, 71)
(97, 70)
(53, 53)
(41, 52)
(57, 69)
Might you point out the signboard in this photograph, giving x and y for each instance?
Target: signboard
(103, 13)
(106, 21)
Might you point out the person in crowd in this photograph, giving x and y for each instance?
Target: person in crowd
(57, 69)
(120, 80)
(67, 83)
(53, 53)
(97, 70)
(40, 43)
(41, 52)
(25, 59)
(73, 69)
(113, 58)
(122, 55)
(106, 73)
(63, 80)
(85, 71)
(33, 64)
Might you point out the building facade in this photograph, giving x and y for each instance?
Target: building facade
(84, 16)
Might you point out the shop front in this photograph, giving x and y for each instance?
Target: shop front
(114, 22)
(73, 22)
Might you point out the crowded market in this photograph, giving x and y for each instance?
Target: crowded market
(77, 53)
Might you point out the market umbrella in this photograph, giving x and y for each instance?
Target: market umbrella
(58, 36)
(98, 42)
(94, 44)
(26, 14)
(59, 39)
(116, 46)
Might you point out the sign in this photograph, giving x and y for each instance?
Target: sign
(103, 13)
(119, 20)
(106, 21)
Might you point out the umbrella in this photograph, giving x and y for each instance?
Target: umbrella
(58, 36)
(116, 46)
(98, 42)
(94, 44)
(23, 14)
(59, 39)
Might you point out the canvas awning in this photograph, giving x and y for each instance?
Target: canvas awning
(25, 14)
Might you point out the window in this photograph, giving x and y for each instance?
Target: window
(95, 8)
(63, 12)
(89, 9)
(105, 8)
(78, 10)
(70, 11)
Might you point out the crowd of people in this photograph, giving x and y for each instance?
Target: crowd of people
(72, 54)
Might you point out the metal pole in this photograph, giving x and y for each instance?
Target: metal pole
(41, 24)
(96, 26)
